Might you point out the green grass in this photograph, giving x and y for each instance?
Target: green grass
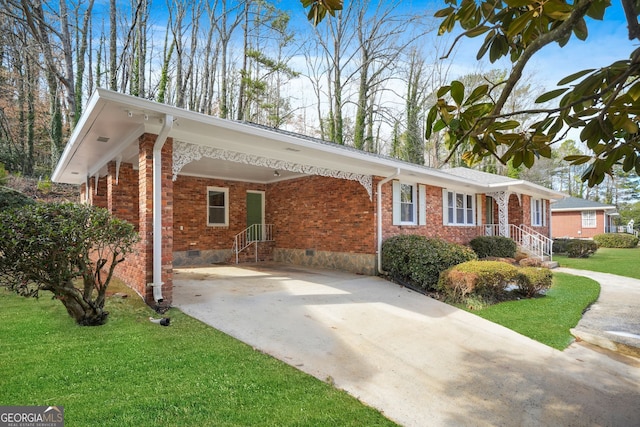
(131, 372)
(623, 262)
(547, 319)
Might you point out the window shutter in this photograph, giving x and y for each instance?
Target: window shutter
(422, 204)
(396, 203)
(532, 211)
(479, 209)
(544, 213)
(445, 220)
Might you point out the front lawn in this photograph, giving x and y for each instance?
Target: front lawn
(547, 319)
(131, 372)
(623, 262)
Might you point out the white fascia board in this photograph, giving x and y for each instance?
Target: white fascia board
(599, 208)
(79, 131)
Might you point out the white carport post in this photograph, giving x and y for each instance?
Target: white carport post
(157, 207)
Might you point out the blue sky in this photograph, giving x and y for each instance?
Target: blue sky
(607, 42)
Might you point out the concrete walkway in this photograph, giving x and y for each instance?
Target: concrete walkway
(612, 322)
(419, 361)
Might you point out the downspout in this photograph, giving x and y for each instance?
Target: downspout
(157, 207)
(379, 216)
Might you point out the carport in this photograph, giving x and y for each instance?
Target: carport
(419, 361)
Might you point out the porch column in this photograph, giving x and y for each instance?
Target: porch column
(146, 207)
(502, 200)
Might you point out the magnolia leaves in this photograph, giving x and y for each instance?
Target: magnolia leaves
(603, 104)
(467, 122)
(513, 25)
(319, 9)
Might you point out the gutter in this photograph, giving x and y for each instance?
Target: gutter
(157, 207)
(379, 217)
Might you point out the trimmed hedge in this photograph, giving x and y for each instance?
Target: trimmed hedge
(486, 282)
(560, 246)
(487, 279)
(575, 248)
(616, 240)
(581, 248)
(532, 281)
(493, 246)
(418, 260)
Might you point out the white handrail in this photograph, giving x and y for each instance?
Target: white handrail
(527, 238)
(253, 234)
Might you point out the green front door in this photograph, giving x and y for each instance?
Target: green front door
(254, 215)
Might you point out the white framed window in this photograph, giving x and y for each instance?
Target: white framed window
(217, 207)
(409, 204)
(538, 212)
(458, 208)
(588, 219)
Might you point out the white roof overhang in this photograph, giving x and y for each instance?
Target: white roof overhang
(112, 123)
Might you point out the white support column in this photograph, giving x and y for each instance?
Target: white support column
(502, 200)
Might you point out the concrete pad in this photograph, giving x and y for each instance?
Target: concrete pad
(419, 361)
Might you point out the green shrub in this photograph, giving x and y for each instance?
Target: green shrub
(533, 280)
(560, 246)
(616, 240)
(581, 248)
(530, 262)
(4, 175)
(493, 246)
(418, 260)
(485, 279)
(10, 198)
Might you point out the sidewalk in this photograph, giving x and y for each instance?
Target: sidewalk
(613, 321)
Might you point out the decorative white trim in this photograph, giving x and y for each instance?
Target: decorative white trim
(118, 162)
(185, 153)
(502, 200)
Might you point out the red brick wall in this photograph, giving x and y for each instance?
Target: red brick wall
(191, 231)
(519, 213)
(569, 224)
(93, 197)
(325, 214)
(434, 226)
(137, 271)
(122, 198)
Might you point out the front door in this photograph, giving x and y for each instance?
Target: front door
(255, 214)
(490, 205)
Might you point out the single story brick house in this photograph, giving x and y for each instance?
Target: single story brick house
(577, 218)
(203, 190)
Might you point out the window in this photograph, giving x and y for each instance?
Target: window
(538, 208)
(588, 219)
(459, 208)
(409, 204)
(217, 207)
(536, 212)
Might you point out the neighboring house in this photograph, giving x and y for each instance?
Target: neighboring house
(199, 187)
(575, 218)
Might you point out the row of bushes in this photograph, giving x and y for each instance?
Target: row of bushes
(492, 281)
(493, 246)
(575, 248)
(418, 260)
(616, 240)
(454, 270)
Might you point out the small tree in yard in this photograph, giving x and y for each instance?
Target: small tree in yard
(54, 247)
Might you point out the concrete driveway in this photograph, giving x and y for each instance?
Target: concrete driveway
(419, 361)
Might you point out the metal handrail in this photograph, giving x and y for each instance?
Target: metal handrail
(526, 237)
(253, 234)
